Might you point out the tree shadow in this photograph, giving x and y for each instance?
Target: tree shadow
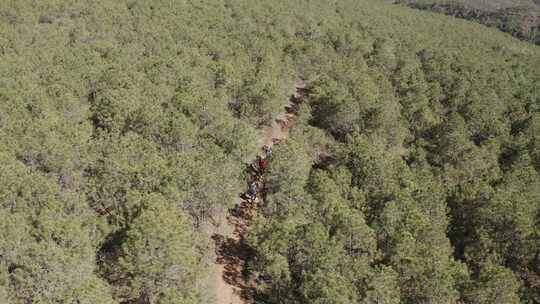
(233, 252)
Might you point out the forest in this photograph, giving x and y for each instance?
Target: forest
(520, 18)
(412, 174)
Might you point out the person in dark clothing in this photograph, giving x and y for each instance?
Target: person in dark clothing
(252, 190)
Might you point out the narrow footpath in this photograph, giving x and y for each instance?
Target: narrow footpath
(228, 272)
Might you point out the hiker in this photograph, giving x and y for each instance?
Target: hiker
(255, 165)
(263, 164)
(267, 152)
(261, 186)
(252, 190)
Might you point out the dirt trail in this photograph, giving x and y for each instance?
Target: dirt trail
(229, 280)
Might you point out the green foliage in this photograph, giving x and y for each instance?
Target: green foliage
(47, 242)
(383, 288)
(287, 175)
(159, 262)
(496, 284)
(430, 134)
(411, 175)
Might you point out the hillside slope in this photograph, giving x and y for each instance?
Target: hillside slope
(411, 176)
(521, 19)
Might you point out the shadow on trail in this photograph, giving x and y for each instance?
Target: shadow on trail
(233, 252)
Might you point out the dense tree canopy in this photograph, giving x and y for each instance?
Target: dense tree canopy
(412, 174)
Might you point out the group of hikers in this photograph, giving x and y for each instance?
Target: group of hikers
(256, 186)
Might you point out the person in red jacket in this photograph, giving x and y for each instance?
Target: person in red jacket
(263, 164)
